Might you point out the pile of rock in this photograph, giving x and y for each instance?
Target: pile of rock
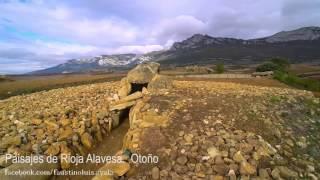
(145, 80)
(144, 75)
(67, 121)
(233, 131)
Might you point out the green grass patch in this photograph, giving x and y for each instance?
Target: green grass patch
(275, 99)
(312, 104)
(295, 81)
(219, 68)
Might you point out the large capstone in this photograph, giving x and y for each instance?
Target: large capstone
(143, 73)
(160, 82)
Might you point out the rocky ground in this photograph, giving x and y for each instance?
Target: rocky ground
(66, 120)
(226, 130)
(199, 129)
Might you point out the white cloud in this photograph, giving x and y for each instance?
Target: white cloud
(66, 23)
(61, 30)
(21, 58)
(135, 49)
(178, 28)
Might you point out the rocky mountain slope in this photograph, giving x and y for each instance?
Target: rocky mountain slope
(302, 34)
(103, 62)
(300, 45)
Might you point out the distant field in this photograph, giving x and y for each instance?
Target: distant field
(29, 84)
(16, 85)
(304, 68)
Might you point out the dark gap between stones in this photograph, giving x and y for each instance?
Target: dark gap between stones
(137, 87)
(124, 115)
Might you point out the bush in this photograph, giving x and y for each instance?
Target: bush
(282, 63)
(274, 64)
(295, 81)
(268, 66)
(219, 68)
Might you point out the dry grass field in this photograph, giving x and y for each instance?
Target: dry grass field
(29, 84)
(16, 85)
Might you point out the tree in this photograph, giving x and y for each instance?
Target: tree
(219, 68)
(274, 64)
(268, 66)
(282, 63)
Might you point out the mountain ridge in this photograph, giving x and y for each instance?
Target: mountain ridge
(299, 45)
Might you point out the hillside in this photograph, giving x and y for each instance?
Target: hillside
(107, 63)
(300, 46)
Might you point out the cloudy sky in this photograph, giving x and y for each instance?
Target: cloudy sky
(36, 34)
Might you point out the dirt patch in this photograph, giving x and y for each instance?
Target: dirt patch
(108, 147)
(152, 140)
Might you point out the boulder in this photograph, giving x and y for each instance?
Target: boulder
(87, 140)
(287, 173)
(117, 169)
(151, 118)
(125, 88)
(247, 169)
(11, 140)
(53, 150)
(182, 160)
(65, 152)
(115, 116)
(238, 157)
(131, 97)
(4, 162)
(143, 73)
(65, 134)
(213, 152)
(160, 82)
(36, 121)
(122, 105)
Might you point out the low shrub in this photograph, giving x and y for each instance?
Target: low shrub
(274, 64)
(268, 66)
(219, 68)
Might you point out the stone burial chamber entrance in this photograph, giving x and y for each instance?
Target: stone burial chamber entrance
(131, 104)
(139, 81)
(131, 88)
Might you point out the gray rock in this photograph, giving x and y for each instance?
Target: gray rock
(276, 173)
(3, 162)
(221, 169)
(263, 174)
(160, 82)
(143, 73)
(182, 160)
(286, 172)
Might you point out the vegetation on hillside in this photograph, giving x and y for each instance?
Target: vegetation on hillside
(280, 67)
(274, 64)
(298, 82)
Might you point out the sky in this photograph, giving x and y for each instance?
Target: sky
(37, 34)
